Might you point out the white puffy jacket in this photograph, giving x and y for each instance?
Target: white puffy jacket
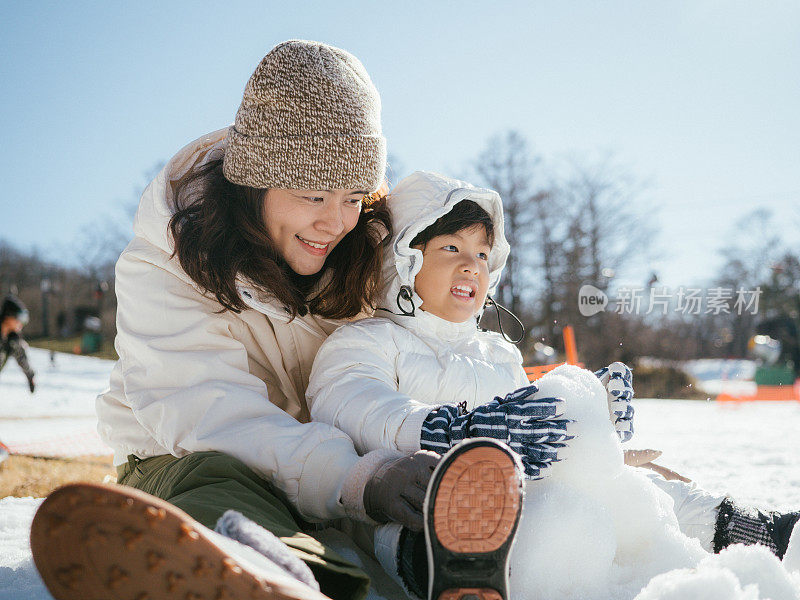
(378, 379)
(190, 378)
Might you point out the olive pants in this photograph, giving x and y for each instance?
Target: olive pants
(206, 484)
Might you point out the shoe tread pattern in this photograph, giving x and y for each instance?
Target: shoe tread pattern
(477, 502)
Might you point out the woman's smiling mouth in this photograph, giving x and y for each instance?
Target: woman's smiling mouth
(314, 247)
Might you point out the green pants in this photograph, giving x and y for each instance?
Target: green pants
(206, 484)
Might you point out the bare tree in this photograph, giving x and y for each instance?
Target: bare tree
(600, 233)
(749, 264)
(507, 166)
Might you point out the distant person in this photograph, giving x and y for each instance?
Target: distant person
(13, 317)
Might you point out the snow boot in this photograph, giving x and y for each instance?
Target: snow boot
(745, 525)
(94, 542)
(472, 509)
(403, 555)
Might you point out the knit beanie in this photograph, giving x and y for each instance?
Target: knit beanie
(309, 119)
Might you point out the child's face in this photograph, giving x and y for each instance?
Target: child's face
(454, 277)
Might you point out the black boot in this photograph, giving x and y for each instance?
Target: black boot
(412, 562)
(472, 510)
(745, 525)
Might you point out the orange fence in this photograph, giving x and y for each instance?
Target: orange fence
(570, 349)
(765, 393)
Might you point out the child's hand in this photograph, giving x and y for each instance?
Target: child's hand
(618, 381)
(531, 426)
(637, 458)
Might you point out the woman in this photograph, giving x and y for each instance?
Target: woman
(251, 246)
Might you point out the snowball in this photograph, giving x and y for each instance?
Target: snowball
(565, 543)
(595, 454)
(691, 584)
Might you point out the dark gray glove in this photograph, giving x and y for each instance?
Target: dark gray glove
(396, 491)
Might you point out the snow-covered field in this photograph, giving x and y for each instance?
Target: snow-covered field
(750, 451)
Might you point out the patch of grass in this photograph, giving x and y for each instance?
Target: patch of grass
(22, 476)
(69, 345)
(665, 382)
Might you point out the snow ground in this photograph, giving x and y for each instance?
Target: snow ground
(749, 450)
(59, 419)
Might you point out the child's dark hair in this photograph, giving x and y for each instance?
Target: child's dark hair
(465, 215)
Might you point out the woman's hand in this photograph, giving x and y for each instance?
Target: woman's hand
(396, 492)
(618, 381)
(645, 458)
(637, 458)
(387, 485)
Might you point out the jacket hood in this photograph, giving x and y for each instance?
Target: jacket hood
(156, 206)
(417, 202)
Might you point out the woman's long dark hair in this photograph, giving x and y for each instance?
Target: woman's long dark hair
(219, 233)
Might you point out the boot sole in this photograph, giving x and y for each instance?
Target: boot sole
(472, 510)
(98, 542)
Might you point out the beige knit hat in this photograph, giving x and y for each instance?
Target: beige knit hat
(310, 119)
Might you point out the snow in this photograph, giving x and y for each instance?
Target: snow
(601, 530)
(59, 418)
(616, 542)
(18, 576)
(66, 387)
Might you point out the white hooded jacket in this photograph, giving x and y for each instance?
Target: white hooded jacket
(377, 379)
(191, 378)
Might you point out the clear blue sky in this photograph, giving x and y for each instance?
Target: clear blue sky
(699, 98)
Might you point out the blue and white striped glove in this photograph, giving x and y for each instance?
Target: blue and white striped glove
(618, 381)
(532, 427)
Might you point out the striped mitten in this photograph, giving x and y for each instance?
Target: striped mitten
(531, 426)
(618, 381)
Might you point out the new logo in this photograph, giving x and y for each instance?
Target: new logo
(591, 300)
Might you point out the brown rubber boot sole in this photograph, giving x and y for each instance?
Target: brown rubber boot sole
(472, 510)
(111, 542)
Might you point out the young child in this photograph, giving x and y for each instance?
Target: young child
(421, 375)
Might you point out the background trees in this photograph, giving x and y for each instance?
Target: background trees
(584, 223)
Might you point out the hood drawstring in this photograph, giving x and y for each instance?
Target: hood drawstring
(405, 294)
(498, 307)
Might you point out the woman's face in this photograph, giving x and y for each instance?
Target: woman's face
(305, 225)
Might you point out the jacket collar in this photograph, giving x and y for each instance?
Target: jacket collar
(156, 206)
(428, 326)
